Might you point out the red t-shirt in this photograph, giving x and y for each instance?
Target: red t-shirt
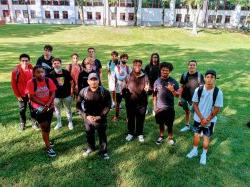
(42, 91)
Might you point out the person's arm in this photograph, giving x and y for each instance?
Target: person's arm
(35, 100)
(14, 86)
(107, 104)
(214, 112)
(172, 89)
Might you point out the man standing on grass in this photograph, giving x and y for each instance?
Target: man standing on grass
(46, 59)
(207, 102)
(64, 92)
(189, 82)
(94, 103)
(19, 78)
(165, 89)
(97, 66)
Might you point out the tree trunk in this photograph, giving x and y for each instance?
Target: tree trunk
(115, 14)
(205, 10)
(195, 22)
(236, 16)
(11, 20)
(246, 21)
(172, 12)
(82, 15)
(163, 14)
(135, 12)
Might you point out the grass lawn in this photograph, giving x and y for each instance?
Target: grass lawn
(23, 162)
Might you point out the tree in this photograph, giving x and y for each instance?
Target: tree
(136, 4)
(172, 12)
(237, 11)
(115, 3)
(198, 4)
(80, 4)
(164, 4)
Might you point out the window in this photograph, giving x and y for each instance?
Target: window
(25, 14)
(242, 19)
(89, 15)
(89, 3)
(122, 3)
(47, 14)
(227, 19)
(131, 16)
(113, 16)
(219, 18)
(187, 18)
(6, 13)
(178, 18)
(4, 2)
(33, 14)
(122, 16)
(151, 4)
(55, 2)
(17, 13)
(46, 2)
(97, 3)
(64, 2)
(23, 2)
(130, 3)
(56, 14)
(65, 14)
(98, 15)
(211, 18)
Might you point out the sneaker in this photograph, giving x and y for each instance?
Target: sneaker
(51, 143)
(70, 125)
(51, 152)
(105, 156)
(58, 126)
(192, 153)
(203, 159)
(171, 142)
(159, 140)
(129, 137)
(22, 126)
(140, 138)
(87, 152)
(186, 128)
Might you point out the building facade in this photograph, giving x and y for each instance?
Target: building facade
(100, 12)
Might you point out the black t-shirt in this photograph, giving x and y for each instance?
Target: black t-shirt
(153, 73)
(46, 64)
(83, 79)
(62, 82)
(190, 82)
(164, 97)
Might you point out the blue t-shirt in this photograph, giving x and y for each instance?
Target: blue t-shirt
(164, 97)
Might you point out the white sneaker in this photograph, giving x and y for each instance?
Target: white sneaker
(70, 125)
(184, 129)
(87, 152)
(58, 126)
(192, 153)
(129, 137)
(203, 159)
(171, 142)
(153, 113)
(140, 138)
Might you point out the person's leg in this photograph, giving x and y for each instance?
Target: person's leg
(117, 106)
(140, 118)
(58, 105)
(113, 95)
(90, 134)
(131, 122)
(186, 108)
(196, 140)
(35, 124)
(45, 133)
(101, 129)
(22, 110)
(67, 104)
(170, 115)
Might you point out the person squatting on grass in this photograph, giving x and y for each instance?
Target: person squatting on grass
(111, 75)
(20, 75)
(94, 103)
(64, 92)
(165, 89)
(136, 101)
(207, 102)
(41, 92)
(122, 71)
(46, 59)
(189, 81)
(152, 70)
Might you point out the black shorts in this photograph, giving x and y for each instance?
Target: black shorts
(207, 130)
(165, 117)
(42, 117)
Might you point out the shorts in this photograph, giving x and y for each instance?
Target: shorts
(186, 105)
(207, 130)
(43, 117)
(111, 83)
(165, 117)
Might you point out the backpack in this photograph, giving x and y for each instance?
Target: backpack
(185, 77)
(116, 63)
(35, 83)
(70, 68)
(215, 93)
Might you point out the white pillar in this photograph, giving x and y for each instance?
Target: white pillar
(139, 13)
(236, 16)
(39, 12)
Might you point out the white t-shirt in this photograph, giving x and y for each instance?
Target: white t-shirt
(206, 102)
(121, 74)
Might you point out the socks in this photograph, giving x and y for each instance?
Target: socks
(195, 148)
(204, 151)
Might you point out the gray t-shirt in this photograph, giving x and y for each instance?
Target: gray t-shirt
(206, 103)
(164, 97)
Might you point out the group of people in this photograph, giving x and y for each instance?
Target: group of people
(47, 86)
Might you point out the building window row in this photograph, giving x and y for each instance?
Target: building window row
(55, 2)
(122, 16)
(56, 14)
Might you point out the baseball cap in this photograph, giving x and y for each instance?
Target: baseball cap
(93, 75)
(210, 71)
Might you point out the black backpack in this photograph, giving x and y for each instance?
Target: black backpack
(35, 83)
(185, 77)
(215, 93)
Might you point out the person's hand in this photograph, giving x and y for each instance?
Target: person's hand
(204, 122)
(180, 103)
(146, 88)
(170, 87)
(91, 119)
(19, 98)
(96, 118)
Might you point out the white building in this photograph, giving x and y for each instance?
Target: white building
(99, 12)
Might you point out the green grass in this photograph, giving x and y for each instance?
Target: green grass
(23, 162)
